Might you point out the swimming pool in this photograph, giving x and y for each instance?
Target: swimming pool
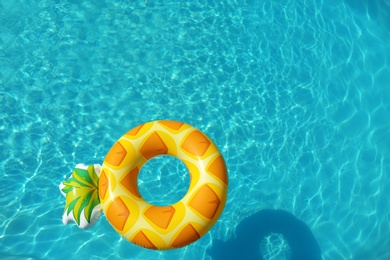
(294, 93)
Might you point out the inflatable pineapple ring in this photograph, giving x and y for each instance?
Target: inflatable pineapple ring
(144, 224)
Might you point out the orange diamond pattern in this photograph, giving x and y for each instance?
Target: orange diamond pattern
(118, 213)
(142, 240)
(153, 146)
(160, 216)
(116, 155)
(129, 182)
(103, 185)
(205, 201)
(196, 143)
(218, 169)
(186, 236)
(171, 124)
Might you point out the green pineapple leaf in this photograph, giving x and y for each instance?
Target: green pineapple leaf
(81, 192)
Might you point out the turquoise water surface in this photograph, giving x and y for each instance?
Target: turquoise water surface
(294, 93)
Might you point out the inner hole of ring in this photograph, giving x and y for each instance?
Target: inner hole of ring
(163, 180)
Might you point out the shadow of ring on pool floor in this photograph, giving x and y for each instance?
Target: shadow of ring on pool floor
(269, 234)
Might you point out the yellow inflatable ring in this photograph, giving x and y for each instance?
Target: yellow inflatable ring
(163, 227)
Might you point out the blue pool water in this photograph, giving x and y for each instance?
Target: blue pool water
(294, 93)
